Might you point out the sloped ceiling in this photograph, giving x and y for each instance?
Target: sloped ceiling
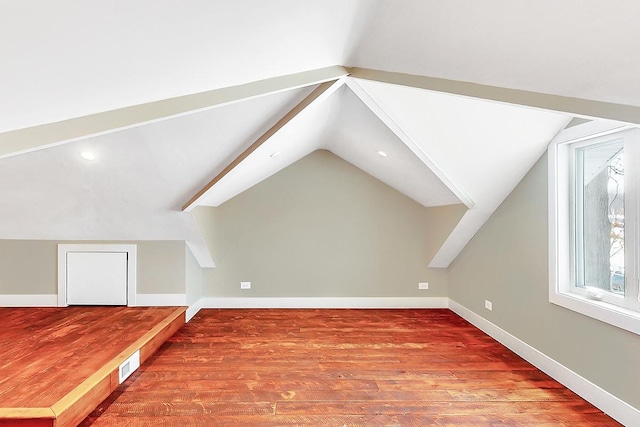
(138, 182)
(68, 59)
(573, 48)
(64, 61)
(358, 134)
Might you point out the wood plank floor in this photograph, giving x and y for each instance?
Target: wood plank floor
(46, 352)
(339, 367)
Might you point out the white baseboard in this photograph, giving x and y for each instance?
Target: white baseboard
(46, 300)
(194, 309)
(356, 302)
(161, 300)
(610, 404)
(605, 401)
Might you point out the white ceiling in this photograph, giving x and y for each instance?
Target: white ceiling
(344, 125)
(135, 188)
(356, 135)
(292, 143)
(578, 48)
(69, 59)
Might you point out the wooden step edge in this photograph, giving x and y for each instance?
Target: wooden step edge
(26, 413)
(27, 417)
(82, 400)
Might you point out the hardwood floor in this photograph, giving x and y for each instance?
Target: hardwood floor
(339, 367)
(57, 364)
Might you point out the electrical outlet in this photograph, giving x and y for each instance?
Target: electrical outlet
(245, 285)
(488, 305)
(423, 285)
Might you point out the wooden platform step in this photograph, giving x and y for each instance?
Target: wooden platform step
(72, 408)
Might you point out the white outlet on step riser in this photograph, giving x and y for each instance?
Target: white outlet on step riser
(245, 285)
(128, 366)
(488, 305)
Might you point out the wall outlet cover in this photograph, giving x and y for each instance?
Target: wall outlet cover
(488, 305)
(423, 285)
(245, 285)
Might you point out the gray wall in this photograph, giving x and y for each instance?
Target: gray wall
(193, 277)
(507, 263)
(161, 267)
(30, 267)
(321, 228)
(440, 222)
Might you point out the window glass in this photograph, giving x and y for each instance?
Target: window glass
(599, 208)
(594, 222)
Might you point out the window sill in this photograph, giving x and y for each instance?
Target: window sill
(609, 313)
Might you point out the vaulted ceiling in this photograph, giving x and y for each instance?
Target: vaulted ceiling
(184, 103)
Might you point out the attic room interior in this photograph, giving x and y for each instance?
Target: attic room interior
(348, 212)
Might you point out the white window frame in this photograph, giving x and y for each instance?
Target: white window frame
(561, 290)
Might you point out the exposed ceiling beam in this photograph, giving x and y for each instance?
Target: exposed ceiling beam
(47, 135)
(319, 94)
(409, 142)
(584, 108)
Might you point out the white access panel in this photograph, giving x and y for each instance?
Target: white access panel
(97, 278)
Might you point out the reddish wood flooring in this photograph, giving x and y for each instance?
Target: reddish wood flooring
(339, 367)
(46, 352)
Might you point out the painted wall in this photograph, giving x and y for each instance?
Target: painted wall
(507, 263)
(322, 228)
(440, 222)
(193, 277)
(161, 267)
(29, 267)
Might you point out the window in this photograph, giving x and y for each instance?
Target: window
(594, 219)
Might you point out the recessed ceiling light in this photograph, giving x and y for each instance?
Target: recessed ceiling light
(382, 153)
(276, 154)
(87, 155)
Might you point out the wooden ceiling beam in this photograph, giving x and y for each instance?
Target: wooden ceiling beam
(323, 91)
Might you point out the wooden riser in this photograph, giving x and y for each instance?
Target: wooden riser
(72, 407)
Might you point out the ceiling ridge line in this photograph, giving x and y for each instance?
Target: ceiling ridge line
(408, 141)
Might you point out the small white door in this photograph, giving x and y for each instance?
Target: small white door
(97, 278)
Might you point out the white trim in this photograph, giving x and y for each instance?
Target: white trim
(615, 407)
(162, 300)
(193, 309)
(305, 302)
(560, 290)
(605, 312)
(588, 130)
(412, 145)
(45, 300)
(200, 251)
(605, 401)
(131, 251)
